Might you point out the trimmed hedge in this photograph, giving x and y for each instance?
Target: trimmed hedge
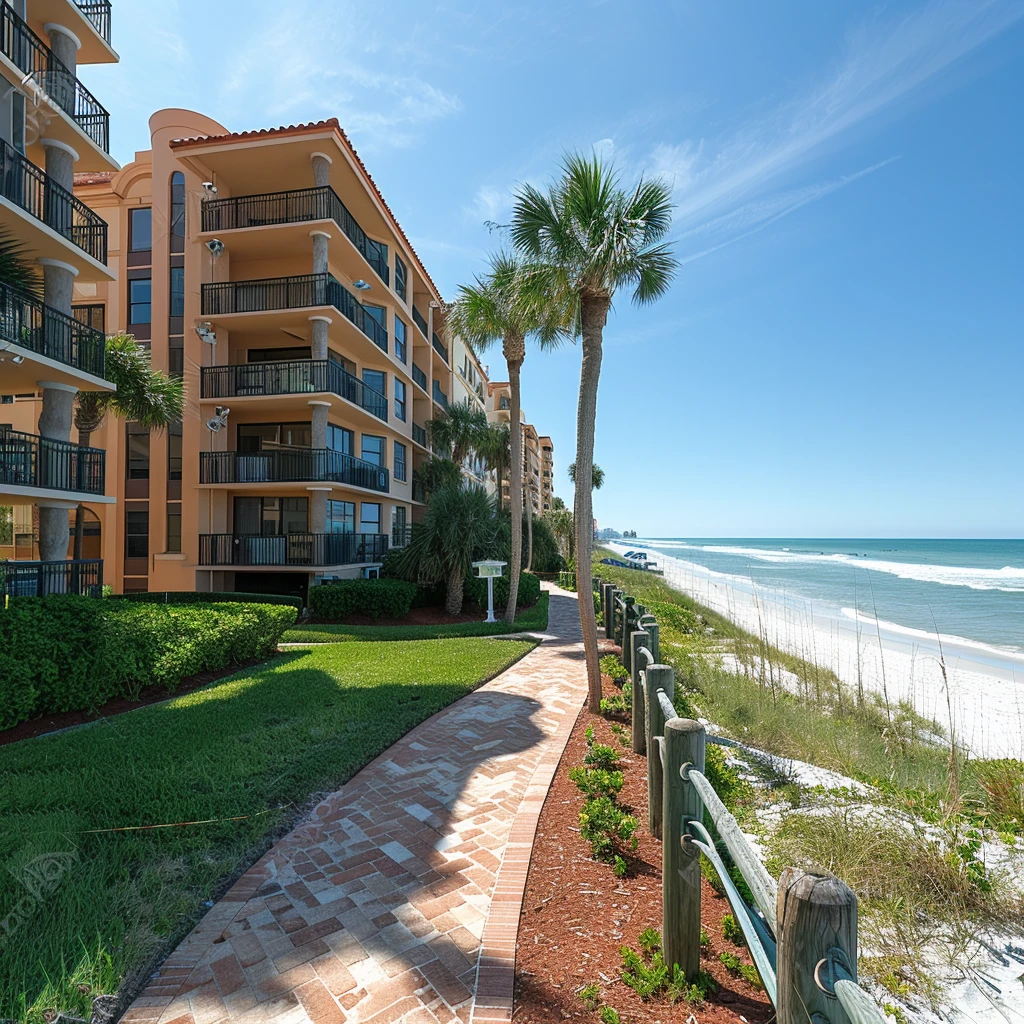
(70, 653)
(213, 597)
(529, 591)
(389, 597)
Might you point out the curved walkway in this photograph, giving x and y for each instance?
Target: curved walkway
(399, 897)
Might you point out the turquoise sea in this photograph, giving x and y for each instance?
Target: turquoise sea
(973, 589)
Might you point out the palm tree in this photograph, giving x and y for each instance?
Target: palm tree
(589, 237)
(17, 268)
(596, 476)
(461, 521)
(496, 451)
(498, 307)
(563, 526)
(458, 432)
(144, 395)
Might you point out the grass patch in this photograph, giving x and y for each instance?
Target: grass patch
(79, 909)
(529, 620)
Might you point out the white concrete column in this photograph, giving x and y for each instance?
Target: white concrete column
(65, 45)
(58, 283)
(60, 162)
(318, 340)
(318, 509)
(318, 422)
(54, 530)
(58, 410)
(320, 251)
(321, 169)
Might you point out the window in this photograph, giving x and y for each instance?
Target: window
(399, 278)
(140, 301)
(140, 227)
(376, 379)
(136, 535)
(374, 450)
(369, 517)
(277, 355)
(340, 439)
(138, 451)
(174, 451)
(271, 517)
(174, 527)
(341, 517)
(399, 461)
(400, 349)
(400, 399)
(177, 226)
(398, 524)
(176, 355)
(254, 437)
(177, 291)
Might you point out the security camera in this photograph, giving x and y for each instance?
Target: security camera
(216, 246)
(210, 188)
(222, 411)
(206, 332)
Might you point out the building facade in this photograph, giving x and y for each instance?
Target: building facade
(266, 270)
(538, 452)
(51, 128)
(469, 386)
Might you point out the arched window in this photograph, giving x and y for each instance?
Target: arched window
(177, 226)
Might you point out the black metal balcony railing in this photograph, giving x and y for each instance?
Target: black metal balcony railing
(93, 315)
(302, 376)
(417, 317)
(295, 206)
(287, 465)
(293, 549)
(440, 348)
(28, 460)
(31, 55)
(98, 12)
(37, 579)
(419, 434)
(400, 536)
(33, 325)
(35, 192)
(419, 376)
(439, 396)
(301, 292)
(419, 492)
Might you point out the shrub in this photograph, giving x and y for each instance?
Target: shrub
(611, 666)
(609, 1015)
(70, 653)
(529, 591)
(567, 579)
(609, 830)
(213, 597)
(732, 930)
(390, 597)
(596, 781)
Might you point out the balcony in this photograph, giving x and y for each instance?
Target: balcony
(306, 291)
(37, 579)
(303, 376)
(419, 376)
(39, 329)
(419, 435)
(439, 347)
(291, 465)
(417, 318)
(307, 550)
(32, 190)
(41, 463)
(400, 536)
(98, 13)
(294, 207)
(27, 52)
(439, 396)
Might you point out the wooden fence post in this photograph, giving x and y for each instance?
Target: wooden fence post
(607, 607)
(817, 915)
(640, 638)
(659, 677)
(680, 864)
(652, 631)
(621, 634)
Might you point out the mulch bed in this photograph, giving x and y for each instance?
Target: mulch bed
(576, 914)
(119, 705)
(416, 617)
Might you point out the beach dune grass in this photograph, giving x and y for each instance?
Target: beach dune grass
(81, 907)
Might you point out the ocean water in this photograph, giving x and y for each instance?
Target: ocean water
(969, 589)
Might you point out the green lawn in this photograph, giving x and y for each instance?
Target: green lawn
(78, 908)
(530, 620)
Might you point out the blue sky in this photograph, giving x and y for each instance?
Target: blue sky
(841, 352)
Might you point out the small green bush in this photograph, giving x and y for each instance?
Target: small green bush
(567, 579)
(611, 666)
(389, 597)
(609, 830)
(201, 597)
(732, 930)
(528, 594)
(596, 781)
(609, 1015)
(70, 653)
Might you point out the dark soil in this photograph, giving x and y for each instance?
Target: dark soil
(119, 705)
(576, 914)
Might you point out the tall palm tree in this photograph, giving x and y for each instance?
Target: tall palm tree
(144, 395)
(17, 268)
(458, 432)
(590, 237)
(562, 525)
(596, 476)
(461, 521)
(498, 307)
(496, 451)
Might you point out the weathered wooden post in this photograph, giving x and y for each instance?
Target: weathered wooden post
(609, 612)
(658, 677)
(622, 634)
(637, 639)
(680, 863)
(652, 632)
(817, 921)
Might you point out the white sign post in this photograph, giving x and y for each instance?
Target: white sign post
(489, 571)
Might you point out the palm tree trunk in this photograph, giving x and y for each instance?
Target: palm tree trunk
(515, 489)
(529, 531)
(594, 314)
(453, 594)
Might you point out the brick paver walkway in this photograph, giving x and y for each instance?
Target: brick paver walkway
(399, 897)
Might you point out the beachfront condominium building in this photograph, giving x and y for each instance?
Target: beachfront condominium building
(51, 128)
(547, 473)
(538, 452)
(266, 269)
(469, 386)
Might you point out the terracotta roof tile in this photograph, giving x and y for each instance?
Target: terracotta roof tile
(94, 177)
(299, 129)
